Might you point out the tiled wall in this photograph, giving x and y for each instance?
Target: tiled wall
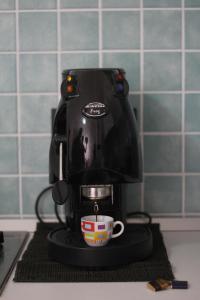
(157, 42)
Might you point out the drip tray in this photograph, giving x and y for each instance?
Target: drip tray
(67, 247)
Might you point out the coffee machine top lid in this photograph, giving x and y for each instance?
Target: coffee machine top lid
(88, 70)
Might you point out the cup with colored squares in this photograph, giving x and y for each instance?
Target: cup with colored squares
(97, 233)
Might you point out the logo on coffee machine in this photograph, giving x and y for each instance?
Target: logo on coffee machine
(94, 110)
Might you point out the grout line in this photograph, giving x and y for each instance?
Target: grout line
(58, 48)
(29, 94)
(27, 216)
(142, 91)
(100, 34)
(23, 175)
(163, 133)
(183, 106)
(123, 50)
(29, 135)
(170, 133)
(145, 174)
(169, 221)
(145, 133)
(88, 9)
(163, 174)
(134, 93)
(18, 111)
(130, 92)
(71, 10)
(172, 174)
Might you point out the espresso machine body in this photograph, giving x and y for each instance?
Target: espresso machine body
(98, 131)
(100, 128)
(94, 149)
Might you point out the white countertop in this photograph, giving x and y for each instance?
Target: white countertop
(184, 253)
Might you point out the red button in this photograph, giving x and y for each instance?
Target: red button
(119, 77)
(69, 88)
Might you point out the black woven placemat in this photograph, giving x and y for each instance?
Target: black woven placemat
(36, 267)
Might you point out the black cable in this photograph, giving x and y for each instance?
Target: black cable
(38, 201)
(141, 213)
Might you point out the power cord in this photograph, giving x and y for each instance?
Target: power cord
(37, 202)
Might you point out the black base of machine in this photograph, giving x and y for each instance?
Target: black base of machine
(68, 247)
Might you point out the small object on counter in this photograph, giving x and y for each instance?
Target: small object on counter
(161, 284)
(158, 284)
(179, 284)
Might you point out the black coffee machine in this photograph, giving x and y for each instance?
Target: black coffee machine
(94, 149)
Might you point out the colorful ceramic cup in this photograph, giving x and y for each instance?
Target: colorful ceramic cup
(98, 233)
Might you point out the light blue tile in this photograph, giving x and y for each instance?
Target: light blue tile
(192, 3)
(31, 188)
(132, 196)
(192, 108)
(35, 154)
(192, 25)
(37, 4)
(80, 60)
(8, 73)
(130, 62)
(7, 4)
(192, 192)
(128, 37)
(38, 73)
(121, 4)
(78, 3)
(192, 153)
(163, 194)
(192, 74)
(79, 31)
(162, 71)
(38, 31)
(162, 112)
(7, 32)
(37, 108)
(162, 3)
(9, 196)
(134, 101)
(162, 154)
(8, 155)
(162, 29)
(8, 114)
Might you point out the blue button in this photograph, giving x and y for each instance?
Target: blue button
(120, 87)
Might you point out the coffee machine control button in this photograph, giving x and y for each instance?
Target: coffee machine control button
(119, 77)
(69, 78)
(121, 85)
(69, 88)
(120, 88)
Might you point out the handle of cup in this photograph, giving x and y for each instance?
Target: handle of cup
(121, 231)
